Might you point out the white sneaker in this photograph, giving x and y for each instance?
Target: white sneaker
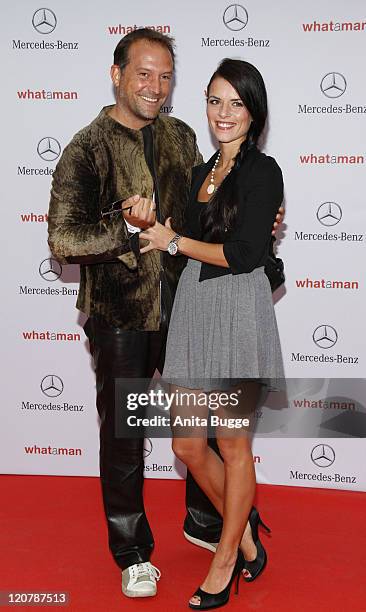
(208, 545)
(139, 580)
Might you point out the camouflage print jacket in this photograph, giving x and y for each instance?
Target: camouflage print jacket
(103, 163)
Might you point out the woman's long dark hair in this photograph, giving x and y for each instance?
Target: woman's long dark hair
(222, 210)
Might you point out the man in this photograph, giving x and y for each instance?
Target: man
(128, 149)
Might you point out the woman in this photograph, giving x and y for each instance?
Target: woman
(223, 332)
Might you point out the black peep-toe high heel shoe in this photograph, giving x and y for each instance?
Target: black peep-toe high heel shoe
(257, 566)
(216, 600)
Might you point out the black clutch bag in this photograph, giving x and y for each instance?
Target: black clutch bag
(274, 268)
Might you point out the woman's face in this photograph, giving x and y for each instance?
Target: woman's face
(227, 116)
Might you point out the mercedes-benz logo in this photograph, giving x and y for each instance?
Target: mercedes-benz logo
(44, 21)
(235, 17)
(325, 336)
(147, 447)
(52, 385)
(323, 455)
(49, 148)
(50, 269)
(329, 213)
(333, 85)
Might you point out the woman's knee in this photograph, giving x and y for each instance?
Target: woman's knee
(190, 451)
(235, 451)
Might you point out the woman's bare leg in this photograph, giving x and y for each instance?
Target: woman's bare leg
(239, 488)
(229, 484)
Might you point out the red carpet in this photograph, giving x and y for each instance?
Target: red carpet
(53, 538)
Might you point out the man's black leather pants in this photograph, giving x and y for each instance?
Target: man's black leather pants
(119, 353)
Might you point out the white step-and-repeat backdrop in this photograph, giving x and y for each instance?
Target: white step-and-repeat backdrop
(55, 79)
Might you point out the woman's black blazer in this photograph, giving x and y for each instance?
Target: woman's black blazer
(260, 193)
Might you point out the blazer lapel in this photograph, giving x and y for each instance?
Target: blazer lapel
(198, 176)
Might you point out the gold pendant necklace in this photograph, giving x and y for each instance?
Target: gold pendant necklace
(211, 187)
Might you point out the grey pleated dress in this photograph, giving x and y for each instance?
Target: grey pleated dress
(222, 331)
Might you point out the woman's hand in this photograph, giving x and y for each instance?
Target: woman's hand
(158, 236)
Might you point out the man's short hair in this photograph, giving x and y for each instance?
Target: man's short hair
(121, 58)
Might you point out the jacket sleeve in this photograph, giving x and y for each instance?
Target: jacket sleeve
(264, 196)
(76, 231)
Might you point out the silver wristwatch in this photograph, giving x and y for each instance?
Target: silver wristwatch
(173, 245)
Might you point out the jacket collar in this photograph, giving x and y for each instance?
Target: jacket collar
(203, 170)
(106, 121)
(200, 174)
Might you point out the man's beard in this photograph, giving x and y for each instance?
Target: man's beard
(135, 107)
(145, 114)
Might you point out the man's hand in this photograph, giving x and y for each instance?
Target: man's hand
(140, 212)
(278, 220)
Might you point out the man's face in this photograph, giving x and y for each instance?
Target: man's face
(144, 85)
